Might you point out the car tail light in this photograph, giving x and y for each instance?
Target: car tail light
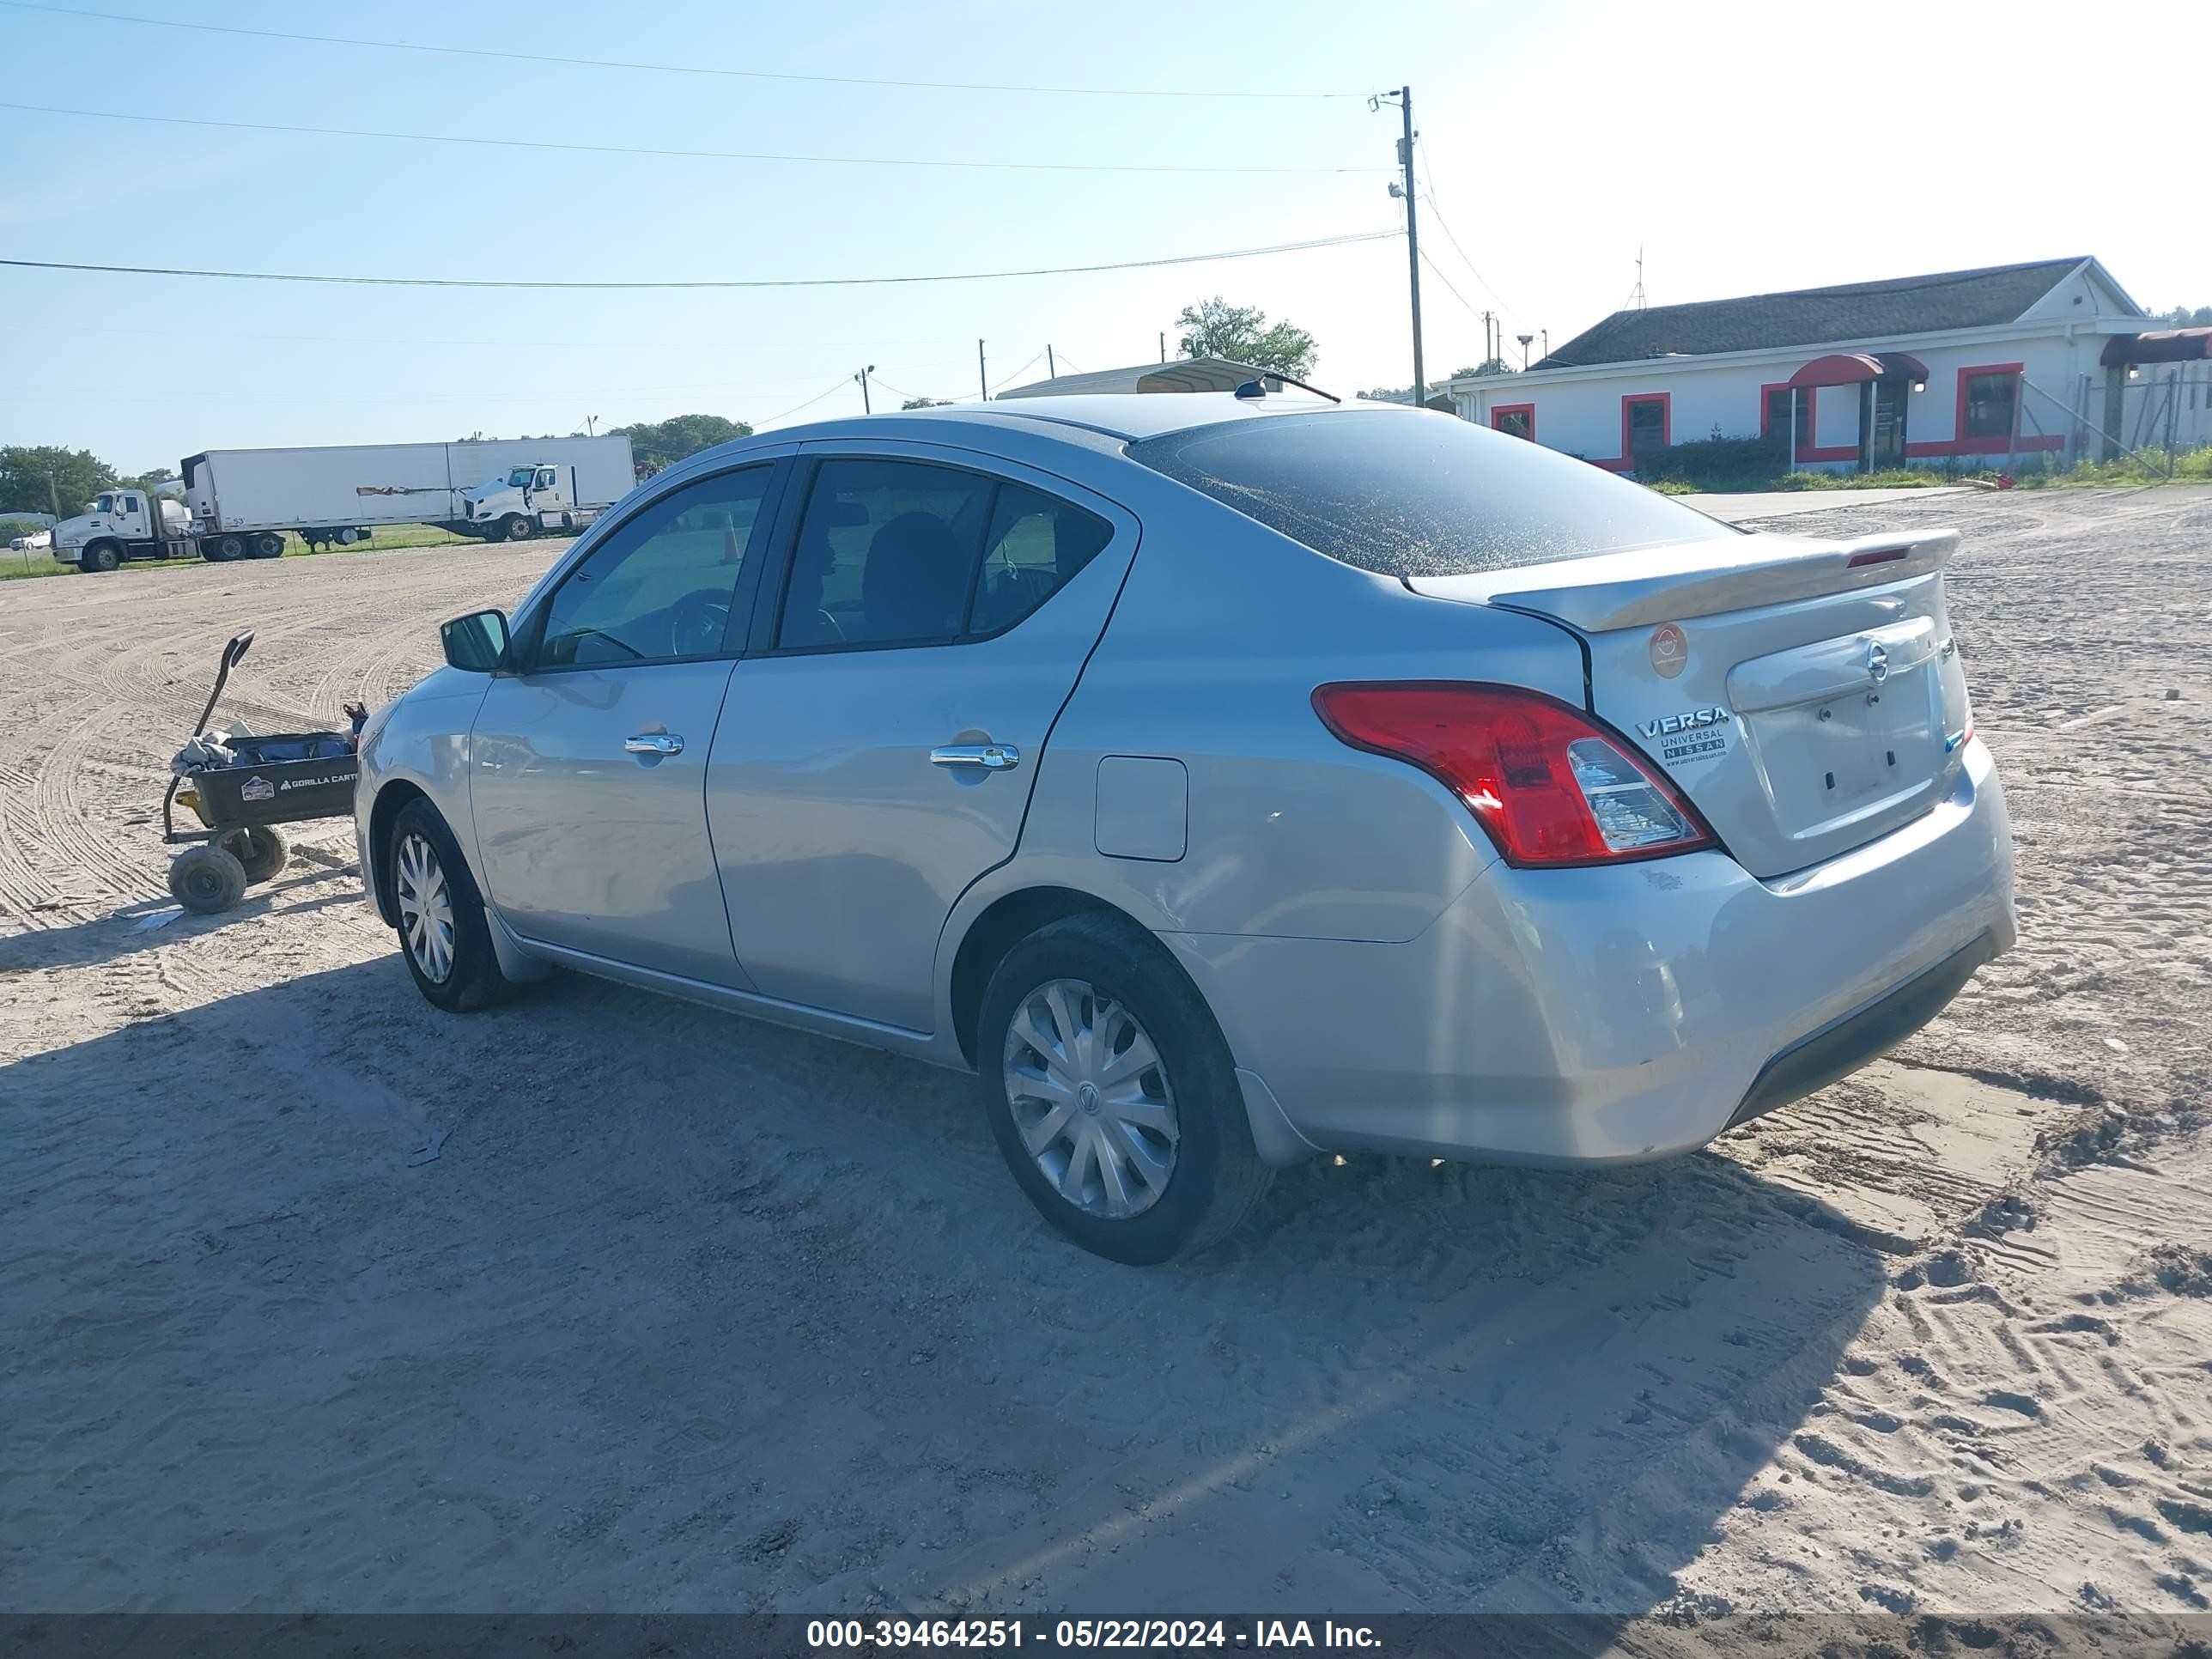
(1550, 785)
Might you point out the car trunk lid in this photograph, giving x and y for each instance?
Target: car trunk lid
(1805, 695)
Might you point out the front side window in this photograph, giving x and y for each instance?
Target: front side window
(545, 479)
(894, 552)
(660, 588)
(518, 479)
(1991, 400)
(105, 504)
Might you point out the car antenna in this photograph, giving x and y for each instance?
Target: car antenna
(1258, 388)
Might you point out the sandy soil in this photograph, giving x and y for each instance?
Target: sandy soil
(311, 1297)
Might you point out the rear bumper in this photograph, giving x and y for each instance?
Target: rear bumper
(1840, 1048)
(1607, 1016)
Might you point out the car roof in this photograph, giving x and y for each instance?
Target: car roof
(1128, 416)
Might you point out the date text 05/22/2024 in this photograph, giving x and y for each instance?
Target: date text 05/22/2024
(831, 1635)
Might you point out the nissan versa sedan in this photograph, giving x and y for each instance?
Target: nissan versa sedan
(1222, 780)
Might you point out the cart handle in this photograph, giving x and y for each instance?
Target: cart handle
(231, 652)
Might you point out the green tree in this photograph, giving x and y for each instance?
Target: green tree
(925, 403)
(152, 479)
(77, 475)
(2183, 316)
(658, 444)
(1214, 328)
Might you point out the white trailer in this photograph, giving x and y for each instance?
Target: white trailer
(239, 502)
(243, 500)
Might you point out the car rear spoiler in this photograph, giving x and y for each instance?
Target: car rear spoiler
(1669, 584)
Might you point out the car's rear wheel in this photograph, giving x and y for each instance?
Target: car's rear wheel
(443, 935)
(1112, 1094)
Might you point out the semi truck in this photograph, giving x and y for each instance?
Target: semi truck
(239, 503)
(533, 497)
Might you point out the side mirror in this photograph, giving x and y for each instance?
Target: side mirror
(477, 642)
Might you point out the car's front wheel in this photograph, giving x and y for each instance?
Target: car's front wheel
(443, 934)
(1112, 1094)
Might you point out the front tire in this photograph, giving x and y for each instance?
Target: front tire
(1113, 1096)
(444, 936)
(99, 558)
(518, 528)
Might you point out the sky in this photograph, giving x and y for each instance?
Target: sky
(1743, 148)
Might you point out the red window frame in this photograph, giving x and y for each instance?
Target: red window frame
(1666, 402)
(1499, 411)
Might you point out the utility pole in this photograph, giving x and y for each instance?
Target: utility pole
(1163, 345)
(862, 377)
(1404, 98)
(982, 380)
(1486, 353)
(591, 426)
(54, 497)
(1050, 371)
(1524, 339)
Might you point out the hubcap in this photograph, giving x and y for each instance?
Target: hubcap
(1090, 1099)
(426, 909)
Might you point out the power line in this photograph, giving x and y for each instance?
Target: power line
(1437, 272)
(842, 383)
(1018, 373)
(670, 68)
(700, 282)
(1504, 303)
(642, 150)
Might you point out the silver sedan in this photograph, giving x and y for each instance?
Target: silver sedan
(1224, 780)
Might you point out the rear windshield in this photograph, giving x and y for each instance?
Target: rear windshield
(1419, 495)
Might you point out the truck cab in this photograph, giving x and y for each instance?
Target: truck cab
(122, 523)
(525, 500)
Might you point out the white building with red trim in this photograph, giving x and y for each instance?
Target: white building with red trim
(1968, 367)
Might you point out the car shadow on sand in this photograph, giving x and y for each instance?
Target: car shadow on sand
(602, 1300)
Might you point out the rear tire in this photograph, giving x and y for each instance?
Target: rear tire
(348, 535)
(1184, 1172)
(99, 558)
(516, 528)
(444, 936)
(267, 545)
(261, 849)
(222, 549)
(207, 880)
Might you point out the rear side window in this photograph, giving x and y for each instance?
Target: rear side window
(894, 552)
(1420, 494)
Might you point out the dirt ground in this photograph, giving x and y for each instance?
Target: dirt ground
(313, 1298)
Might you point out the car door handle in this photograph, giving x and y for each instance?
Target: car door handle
(993, 756)
(653, 743)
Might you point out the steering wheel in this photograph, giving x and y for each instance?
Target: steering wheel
(697, 624)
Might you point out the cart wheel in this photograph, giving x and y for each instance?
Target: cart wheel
(263, 850)
(207, 880)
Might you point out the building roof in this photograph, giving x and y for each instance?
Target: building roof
(1180, 375)
(1856, 311)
